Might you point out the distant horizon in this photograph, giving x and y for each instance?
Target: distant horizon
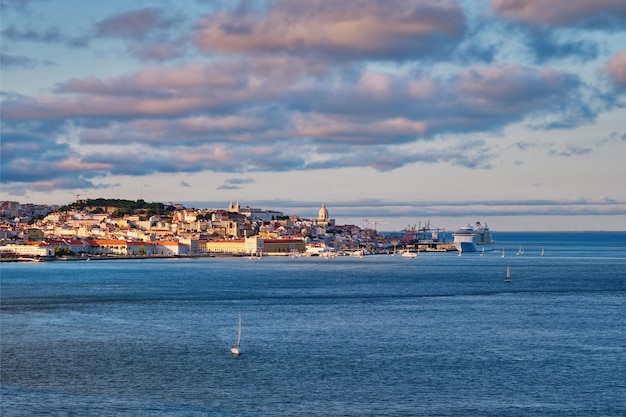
(396, 223)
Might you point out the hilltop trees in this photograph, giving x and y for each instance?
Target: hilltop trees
(118, 207)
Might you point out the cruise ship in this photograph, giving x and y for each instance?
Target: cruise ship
(473, 238)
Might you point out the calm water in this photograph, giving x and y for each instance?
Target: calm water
(439, 335)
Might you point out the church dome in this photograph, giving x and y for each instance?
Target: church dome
(323, 213)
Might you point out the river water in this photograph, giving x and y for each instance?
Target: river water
(438, 335)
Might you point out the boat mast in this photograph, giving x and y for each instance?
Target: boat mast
(239, 332)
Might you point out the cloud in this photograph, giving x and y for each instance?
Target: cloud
(235, 183)
(228, 187)
(572, 150)
(404, 105)
(148, 32)
(160, 50)
(48, 36)
(40, 154)
(548, 46)
(562, 12)
(555, 30)
(239, 181)
(306, 85)
(20, 61)
(616, 69)
(51, 185)
(20, 5)
(201, 117)
(393, 29)
(135, 24)
(31, 34)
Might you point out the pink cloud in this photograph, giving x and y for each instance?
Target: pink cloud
(557, 12)
(616, 68)
(353, 28)
(76, 165)
(60, 108)
(512, 85)
(229, 74)
(155, 79)
(332, 127)
(133, 24)
(206, 124)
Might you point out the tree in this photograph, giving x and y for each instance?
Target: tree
(63, 251)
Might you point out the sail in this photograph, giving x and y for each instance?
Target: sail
(236, 350)
(239, 332)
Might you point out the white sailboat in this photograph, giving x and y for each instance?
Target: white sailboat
(503, 252)
(483, 252)
(236, 350)
(507, 276)
(542, 251)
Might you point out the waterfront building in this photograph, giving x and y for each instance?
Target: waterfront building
(29, 249)
(284, 246)
(252, 245)
(119, 247)
(231, 246)
(170, 248)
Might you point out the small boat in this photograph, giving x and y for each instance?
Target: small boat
(408, 254)
(507, 276)
(503, 252)
(236, 349)
(542, 252)
(483, 252)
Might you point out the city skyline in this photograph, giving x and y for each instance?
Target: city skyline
(400, 112)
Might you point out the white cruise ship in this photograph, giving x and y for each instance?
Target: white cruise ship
(473, 238)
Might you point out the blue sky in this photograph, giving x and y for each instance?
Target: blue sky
(510, 112)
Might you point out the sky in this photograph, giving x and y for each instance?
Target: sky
(393, 113)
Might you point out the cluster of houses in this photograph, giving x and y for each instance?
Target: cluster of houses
(235, 231)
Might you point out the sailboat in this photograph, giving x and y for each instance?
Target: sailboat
(507, 276)
(503, 252)
(236, 350)
(483, 252)
(542, 252)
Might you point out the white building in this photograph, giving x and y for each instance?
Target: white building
(29, 249)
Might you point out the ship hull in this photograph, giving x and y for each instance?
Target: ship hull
(473, 247)
(473, 239)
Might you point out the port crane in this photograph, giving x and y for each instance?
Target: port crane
(426, 233)
(375, 222)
